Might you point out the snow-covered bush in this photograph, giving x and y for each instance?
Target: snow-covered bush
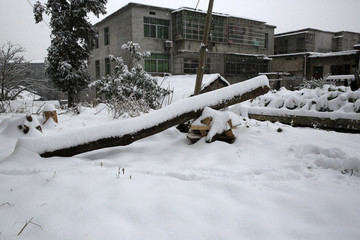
(130, 91)
(313, 83)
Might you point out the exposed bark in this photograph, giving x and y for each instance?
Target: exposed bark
(127, 139)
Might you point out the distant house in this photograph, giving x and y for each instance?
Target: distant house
(311, 53)
(183, 85)
(316, 65)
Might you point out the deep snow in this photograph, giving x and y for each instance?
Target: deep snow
(269, 184)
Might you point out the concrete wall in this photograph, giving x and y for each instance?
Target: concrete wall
(323, 41)
(118, 24)
(293, 64)
(154, 45)
(326, 63)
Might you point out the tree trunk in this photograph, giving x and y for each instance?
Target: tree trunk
(71, 99)
(131, 136)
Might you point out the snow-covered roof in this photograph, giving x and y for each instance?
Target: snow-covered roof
(183, 85)
(293, 54)
(334, 54)
(290, 34)
(340, 77)
(262, 56)
(318, 54)
(213, 13)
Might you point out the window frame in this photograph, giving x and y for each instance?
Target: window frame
(152, 64)
(156, 28)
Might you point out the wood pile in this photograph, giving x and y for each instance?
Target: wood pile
(199, 131)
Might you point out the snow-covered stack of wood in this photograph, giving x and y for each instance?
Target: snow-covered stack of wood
(214, 125)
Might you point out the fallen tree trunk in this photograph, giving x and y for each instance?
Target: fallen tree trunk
(128, 131)
(339, 124)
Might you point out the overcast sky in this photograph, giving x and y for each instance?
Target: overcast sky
(18, 26)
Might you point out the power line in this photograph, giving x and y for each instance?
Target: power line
(32, 7)
(197, 4)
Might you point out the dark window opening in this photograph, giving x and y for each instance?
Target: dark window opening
(97, 68)
(191, 66)
(318, 72)
(107, 66)
(340, 69)
(106, 36)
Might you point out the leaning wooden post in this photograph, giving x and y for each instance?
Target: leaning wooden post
(203, 49)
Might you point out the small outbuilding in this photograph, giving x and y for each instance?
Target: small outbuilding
(182, 86)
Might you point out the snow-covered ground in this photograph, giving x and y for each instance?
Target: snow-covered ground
(274, 182)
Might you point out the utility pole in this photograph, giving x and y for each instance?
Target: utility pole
(203, 49)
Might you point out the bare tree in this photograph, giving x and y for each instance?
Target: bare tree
(13, 67)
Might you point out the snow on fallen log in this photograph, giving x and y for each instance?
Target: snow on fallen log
(124, 132)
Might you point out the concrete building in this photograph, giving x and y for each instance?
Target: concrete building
(311, 53)
(313, 40)
(238, 47)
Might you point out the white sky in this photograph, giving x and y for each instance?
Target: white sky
(18, 24)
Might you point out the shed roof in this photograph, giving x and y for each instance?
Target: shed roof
(183, 85)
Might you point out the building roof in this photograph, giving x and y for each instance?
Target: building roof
(214, 14)
(301, 31)
(131, 4)
(293, 54)
(334, 54)
(306, 30)
(318, 55)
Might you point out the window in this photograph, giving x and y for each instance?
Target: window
(106, 36)
(318, 72)
(266, 45)
(246, 32)
(340, 69)
(191, 65)
(156, 28)
(300, 44)
(158, 63)
(97, 68)
(107, 66)
(237, 65)
(96, 42)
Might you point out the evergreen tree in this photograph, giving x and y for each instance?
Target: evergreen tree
(71, 40)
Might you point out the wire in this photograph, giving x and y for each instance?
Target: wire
(32, 7)
(197, 4)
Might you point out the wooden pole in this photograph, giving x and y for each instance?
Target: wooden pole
(203, 49)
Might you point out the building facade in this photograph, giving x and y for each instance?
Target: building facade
(238, 48)
(311, 53)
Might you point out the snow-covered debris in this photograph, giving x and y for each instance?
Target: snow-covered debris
(219, 122)
(49, 108)
(328, 101)
(21, 125)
